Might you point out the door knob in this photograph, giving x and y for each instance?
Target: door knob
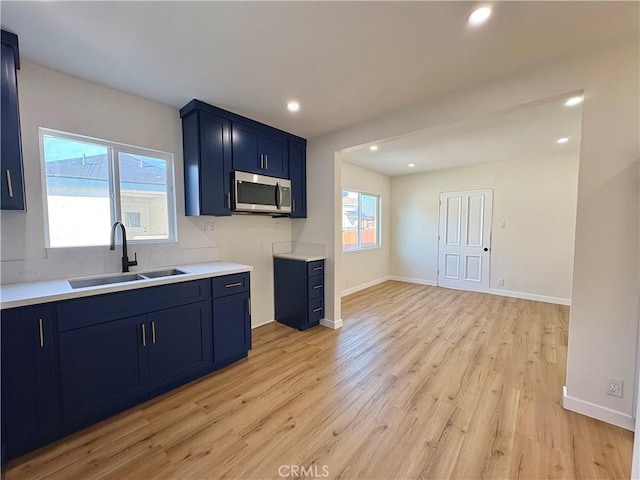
(485, 249)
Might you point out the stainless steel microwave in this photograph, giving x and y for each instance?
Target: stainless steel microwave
(253, 193)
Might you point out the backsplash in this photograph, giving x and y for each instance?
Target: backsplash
(79, 262)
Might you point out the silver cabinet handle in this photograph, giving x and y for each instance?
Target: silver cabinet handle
(266, 161)
(9, 183)
(144, 336)
(249, 306)
(262, 161)
(41, 329)
(317, 268)
(153, 332)
(317, 287)
(231, 285)
(316, 310)
(228, 199)
(293, 205)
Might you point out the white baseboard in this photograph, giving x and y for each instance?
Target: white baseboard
(414, 280)
(261, 324)
(351, 290)
(598, 412)
(333, 324)
(530, 296)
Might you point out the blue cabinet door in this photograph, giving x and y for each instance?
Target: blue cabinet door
(103, 368)
(245, 141)
(207, 164)
(298, 175)
(180, 344)
(12, 179)
(231, 328)
(275, 155)
(30, 393)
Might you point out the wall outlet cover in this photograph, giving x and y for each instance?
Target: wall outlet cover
(614, 387)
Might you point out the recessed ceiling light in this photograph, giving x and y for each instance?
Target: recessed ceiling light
(479, 16)
(373, 148)
(562, 140)
(574, 101)
(293, 106)
(411, 165)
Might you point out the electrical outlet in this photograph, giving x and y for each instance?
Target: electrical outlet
(614, 387)
(501, 282)
(262, 246)
(209, 226)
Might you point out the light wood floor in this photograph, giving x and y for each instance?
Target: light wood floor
(421, 382)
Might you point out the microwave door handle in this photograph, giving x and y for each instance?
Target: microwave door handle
(278, 195)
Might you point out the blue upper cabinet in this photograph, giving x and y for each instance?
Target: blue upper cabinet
(207, 163)
(259, 151)
(298, 175)
(11, 151)
(216, 142)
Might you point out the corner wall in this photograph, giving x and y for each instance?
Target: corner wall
(365, 268)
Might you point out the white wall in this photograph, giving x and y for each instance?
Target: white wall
(604, 314)
(58, 101)
(362, 268)
(534, 197)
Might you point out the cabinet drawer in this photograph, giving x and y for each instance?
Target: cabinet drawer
(88, 311)
(316, 287)
(316, 309)
(230, 284)
(315, 268)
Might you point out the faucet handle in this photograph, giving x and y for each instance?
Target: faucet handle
(135, 260)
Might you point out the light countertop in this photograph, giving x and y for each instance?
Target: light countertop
(31, 293)
(297, 256)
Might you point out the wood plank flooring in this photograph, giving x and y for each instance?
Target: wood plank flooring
(421, 382)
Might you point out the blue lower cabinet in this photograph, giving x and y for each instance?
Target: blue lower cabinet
(103, 368)
(30, 391)
(298, 292)
(231, 328)
(180, 344)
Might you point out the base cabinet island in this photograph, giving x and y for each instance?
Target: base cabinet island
(72, 357)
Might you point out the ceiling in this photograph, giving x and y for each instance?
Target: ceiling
(526, 132)
(343, 61)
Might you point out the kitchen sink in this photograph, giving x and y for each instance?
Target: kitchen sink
(94, 282)
(162, 273)
(123, 278)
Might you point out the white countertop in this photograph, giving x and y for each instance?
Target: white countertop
(297, 256)
(31, 293)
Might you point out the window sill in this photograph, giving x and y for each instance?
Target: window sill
(362, 249)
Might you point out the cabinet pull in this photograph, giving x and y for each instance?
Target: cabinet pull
(153, 332)
(317, 287)
(41, 331)
(228, 199)
(266, 161)
(261, 161)
(316, 310)
(231, 285)
(9, 183)
(293, 205)
(144, 336)
(249, 306)
(317, 268)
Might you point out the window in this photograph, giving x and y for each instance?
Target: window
(360, 220)
(92, 183)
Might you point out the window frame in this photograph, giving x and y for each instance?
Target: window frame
(359, 246)
(115, 201)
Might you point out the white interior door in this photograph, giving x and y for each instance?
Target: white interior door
(464, 240)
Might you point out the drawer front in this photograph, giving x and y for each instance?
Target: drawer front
(230, 284)
(316, 287)
(315, 268)
(87, 311)
(316, 309)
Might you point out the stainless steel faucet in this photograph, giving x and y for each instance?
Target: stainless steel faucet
(125, 259)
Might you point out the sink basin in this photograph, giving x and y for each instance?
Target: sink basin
(93, 282)
(162, 273)
(123, 278)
